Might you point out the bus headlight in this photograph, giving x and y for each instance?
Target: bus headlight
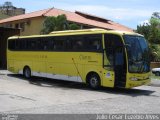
(133, 79)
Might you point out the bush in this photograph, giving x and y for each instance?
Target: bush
(155, 52)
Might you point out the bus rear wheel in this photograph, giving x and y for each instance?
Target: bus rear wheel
(94, 81)
(27, 72)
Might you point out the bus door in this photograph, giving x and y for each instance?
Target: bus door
(119, 67)
(116, 56)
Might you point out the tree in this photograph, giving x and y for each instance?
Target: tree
(54, 24)
(156, 15)
(144, 30)
(57, 24)
(74, 26)
(154, 35)
(6, 7)
(151, 31)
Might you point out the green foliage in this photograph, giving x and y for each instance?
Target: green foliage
(74, 26)
(54, 24)
(6, 7)
(151, 31)
(57, 24)
(154, 35)
(156, 15)
(144, 30)
(155, 52)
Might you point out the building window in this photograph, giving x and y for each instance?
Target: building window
(17, 25)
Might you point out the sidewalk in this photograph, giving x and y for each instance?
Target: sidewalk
(155, 82)
(4, 72)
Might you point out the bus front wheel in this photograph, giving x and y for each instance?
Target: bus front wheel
(27, 72)
(94, 81)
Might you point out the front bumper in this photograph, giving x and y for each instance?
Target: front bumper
(131, 84)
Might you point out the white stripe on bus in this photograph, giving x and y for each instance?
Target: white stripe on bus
(56, 76)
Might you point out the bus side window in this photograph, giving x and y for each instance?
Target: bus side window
(95, 45)
(94, 42)
(19, 44)
(59, 44)
(45, 44)
(39, 44)
(78, 43)
(69, 43)
(52, 44)
(28, 44)
(11, 44)
(31, 44)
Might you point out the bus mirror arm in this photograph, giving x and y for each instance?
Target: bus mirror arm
(104, 50)
(127, 46)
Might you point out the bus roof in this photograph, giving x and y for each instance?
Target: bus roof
(79, 32)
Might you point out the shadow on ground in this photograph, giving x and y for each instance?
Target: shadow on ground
(46, 82)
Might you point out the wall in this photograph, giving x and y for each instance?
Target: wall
(31, 26)
(5, 33)
(155, 64)
(34, 27)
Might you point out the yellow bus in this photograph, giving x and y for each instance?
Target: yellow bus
(96, 57)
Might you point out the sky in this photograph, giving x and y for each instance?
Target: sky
(127, 12)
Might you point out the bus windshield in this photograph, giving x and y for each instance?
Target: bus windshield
(138, 54)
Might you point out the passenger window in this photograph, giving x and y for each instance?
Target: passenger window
(78, 43)
(51, 44)
(59, 44)
(19, 44)
(94, 45)
(45, 44)
(69, 43)
(39, 44)
(94, 42)
(11, 44)
(31, 44)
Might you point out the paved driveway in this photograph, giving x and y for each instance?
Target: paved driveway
(18, 95)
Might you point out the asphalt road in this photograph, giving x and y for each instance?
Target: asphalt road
(18, 95)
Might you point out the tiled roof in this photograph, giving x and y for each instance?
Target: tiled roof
(24, 16)
(77, 17)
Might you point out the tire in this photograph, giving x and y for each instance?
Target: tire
(157, 74)
(27, 72)
(94, 81)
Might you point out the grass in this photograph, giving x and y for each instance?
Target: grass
(154, 77)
